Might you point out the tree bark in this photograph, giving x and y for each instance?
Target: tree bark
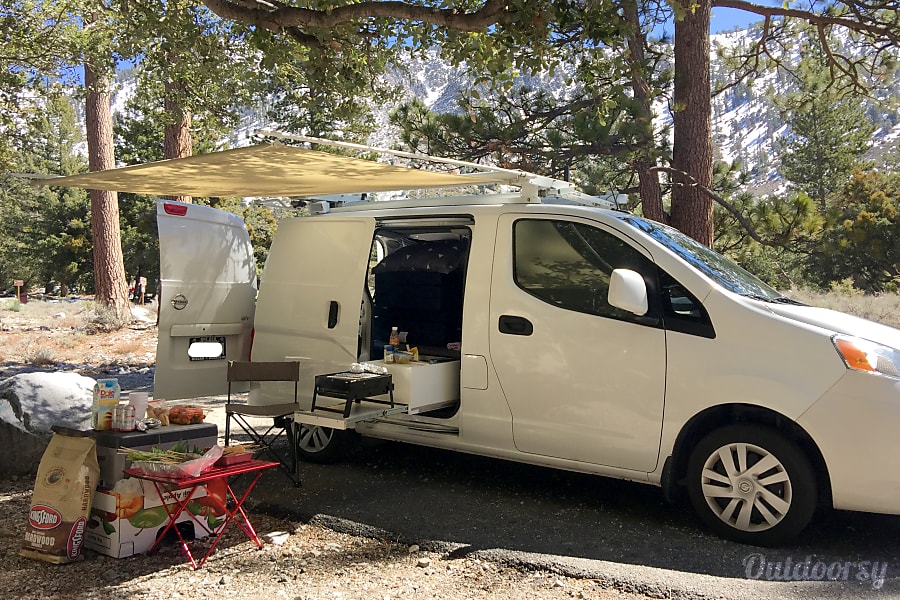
(110, 285)
(177, 141)
(692, 150)
(644, 163)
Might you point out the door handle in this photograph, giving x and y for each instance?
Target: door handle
(332, 314)
(515, 325)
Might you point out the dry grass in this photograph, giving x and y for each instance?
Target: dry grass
(45, 333)
(884, 308)
(128, 347)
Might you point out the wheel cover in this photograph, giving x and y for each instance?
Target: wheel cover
(314, 438)
(746, 486)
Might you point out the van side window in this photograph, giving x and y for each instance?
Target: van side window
(681, 310)
(570, 264)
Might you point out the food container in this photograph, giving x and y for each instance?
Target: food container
(233, 459)
(186, 415)
(158, 408)
(402, 358)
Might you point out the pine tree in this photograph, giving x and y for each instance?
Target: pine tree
(45, 231)
(829, 133)
(862, 240)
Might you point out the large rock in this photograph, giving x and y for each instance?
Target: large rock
(32, 403)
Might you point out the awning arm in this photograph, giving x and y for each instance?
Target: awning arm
(515, 177)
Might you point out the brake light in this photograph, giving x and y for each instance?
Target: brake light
(177, 210)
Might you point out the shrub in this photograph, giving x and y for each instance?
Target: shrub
(99, 319)
(42, 357)
(12, 305)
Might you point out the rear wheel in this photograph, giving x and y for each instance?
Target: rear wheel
(752, 485)
(320, 444)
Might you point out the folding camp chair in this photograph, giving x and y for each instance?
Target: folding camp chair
(282, 414)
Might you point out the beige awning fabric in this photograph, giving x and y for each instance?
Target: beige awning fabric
(263, 170)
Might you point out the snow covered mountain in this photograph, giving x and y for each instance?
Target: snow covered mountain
(746, 124)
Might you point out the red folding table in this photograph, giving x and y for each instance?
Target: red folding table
(174, 507)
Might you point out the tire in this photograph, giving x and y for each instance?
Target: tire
(320, 444)
(766, 495)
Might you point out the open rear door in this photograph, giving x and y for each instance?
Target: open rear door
(206, 300)
(310, 299)
(309, 311)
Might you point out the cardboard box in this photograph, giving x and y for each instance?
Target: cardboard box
(119, 537)
(201, 435)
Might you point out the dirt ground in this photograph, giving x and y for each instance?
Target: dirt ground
(297, 561)
(65, 332)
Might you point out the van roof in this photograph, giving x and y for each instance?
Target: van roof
(487, 199)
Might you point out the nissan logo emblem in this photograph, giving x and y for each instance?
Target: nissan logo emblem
(179, 302)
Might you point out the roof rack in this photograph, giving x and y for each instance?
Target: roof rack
(534, 188)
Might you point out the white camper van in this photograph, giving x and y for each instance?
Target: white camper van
(561, 335)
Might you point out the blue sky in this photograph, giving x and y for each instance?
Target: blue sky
(726, 19)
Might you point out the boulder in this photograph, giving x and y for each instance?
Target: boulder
(32, 403)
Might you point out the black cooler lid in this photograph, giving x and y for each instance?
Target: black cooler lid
(153, 437)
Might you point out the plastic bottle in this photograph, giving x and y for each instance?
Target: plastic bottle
(394, 340)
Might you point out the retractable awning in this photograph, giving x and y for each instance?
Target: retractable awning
(263, 170)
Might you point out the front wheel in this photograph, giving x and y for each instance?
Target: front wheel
(752, 485)
(320, 444)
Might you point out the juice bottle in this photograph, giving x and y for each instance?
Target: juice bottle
(394, 340)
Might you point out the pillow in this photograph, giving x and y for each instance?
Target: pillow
(443, 256)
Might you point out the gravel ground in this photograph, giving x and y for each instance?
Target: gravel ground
(298, 560)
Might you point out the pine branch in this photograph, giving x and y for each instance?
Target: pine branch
(863, 23)
(279, 17)
(745, 223)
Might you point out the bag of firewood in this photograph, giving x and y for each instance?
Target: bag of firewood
(61, 502)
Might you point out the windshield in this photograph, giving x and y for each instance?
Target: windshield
(710, 263)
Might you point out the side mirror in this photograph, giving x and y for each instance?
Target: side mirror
(628, 291)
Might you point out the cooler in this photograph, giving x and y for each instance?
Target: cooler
(201, 435)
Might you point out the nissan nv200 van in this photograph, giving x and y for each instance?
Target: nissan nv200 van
(555, 334)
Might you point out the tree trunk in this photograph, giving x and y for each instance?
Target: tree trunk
(110, 285)
(692, 150)
(648, 179)
(177, 142)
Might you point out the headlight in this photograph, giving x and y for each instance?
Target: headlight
(863, 355)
